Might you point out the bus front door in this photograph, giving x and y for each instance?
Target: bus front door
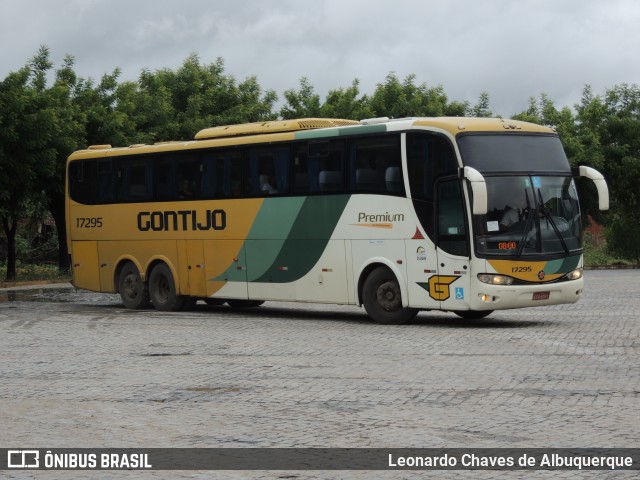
(451, 286)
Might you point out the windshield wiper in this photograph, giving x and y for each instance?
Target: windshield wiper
(549, 217)
(530, 214)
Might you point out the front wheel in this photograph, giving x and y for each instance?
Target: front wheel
(473, 314)
(162, 289)
(382, 299)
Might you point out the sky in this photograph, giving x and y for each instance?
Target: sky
(512, 50)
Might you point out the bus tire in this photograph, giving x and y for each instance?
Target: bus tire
(133, 291)
(162, 290)
(244, 303)
(473, 314)
(382, 299)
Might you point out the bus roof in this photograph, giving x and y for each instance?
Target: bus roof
(308, 128)
(277, 126)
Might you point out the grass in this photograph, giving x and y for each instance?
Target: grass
(30, 273)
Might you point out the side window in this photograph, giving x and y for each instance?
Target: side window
(302, 183)
(165, 179)
(222, 174)
(268, 170)
(82, 181)
(132, 179)
(140, 180)
(104, 192)
(429, 157)
(375, 166)
(189, 177)
(452, 232)
(326, 166)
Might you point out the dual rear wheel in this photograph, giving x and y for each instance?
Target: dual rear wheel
(161, 291)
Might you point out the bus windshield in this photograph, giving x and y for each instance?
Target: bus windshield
(513, 152)
(529, 214)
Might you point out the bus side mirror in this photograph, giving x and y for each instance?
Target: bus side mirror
(601, 185)
(479, 189)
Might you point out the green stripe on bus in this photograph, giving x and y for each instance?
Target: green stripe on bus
(268, 233)
(562, 265)
(307, 239)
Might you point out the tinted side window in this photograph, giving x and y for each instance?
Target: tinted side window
(375, 165)
(83, 181)
(268, 170)
(326, 163)
(133, 180)
(429, 157)
(189, 176)
(222, 174)
(452, 232)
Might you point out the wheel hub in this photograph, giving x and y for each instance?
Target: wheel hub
(388, 296)
(131, 286)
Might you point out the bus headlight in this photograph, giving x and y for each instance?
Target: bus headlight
(492, 279)
(575, 275)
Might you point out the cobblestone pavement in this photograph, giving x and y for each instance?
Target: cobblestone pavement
(78, 370)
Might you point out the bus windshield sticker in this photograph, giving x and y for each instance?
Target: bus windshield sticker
(536, 182)
(493, 226)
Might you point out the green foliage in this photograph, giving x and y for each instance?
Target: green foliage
(397, 99)
(346, 103)
(301, 103)
(622, 235)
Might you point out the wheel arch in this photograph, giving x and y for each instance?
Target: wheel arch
(158, 259)
(370, 266)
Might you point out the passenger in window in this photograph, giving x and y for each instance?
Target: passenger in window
(268, 184)
(510, 217)
(185, 191)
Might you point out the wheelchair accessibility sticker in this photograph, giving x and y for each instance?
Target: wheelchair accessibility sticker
(459, 293)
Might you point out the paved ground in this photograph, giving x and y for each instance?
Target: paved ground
(78, 370)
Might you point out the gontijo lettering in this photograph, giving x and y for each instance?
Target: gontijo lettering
(182, 220)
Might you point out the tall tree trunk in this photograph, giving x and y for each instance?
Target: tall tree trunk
(10, 227)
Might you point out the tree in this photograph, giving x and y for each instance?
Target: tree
(346, 103)
(483, 107)
(174, 105)
(301, 103)
(620, 141)
(67, 131)
(396, 99)
(28, 127)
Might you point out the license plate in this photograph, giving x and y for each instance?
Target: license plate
(541, 295)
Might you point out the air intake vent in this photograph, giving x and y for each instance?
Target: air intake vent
(280, 126)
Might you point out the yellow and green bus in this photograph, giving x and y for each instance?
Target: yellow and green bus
(467, 215)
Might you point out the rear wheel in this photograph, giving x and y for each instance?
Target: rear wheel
(473, 314)
(382, 299)
(133, 291)
(162, 289)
